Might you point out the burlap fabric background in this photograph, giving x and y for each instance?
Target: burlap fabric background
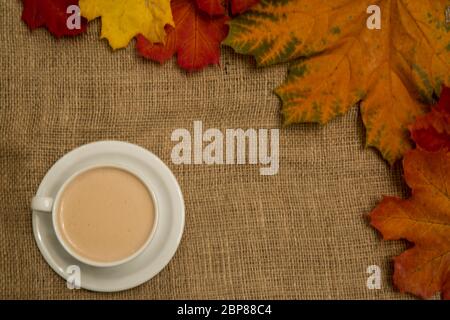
(300, 234)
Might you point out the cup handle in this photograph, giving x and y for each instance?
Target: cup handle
(44, 204)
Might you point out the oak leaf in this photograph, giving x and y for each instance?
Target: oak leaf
(124, 19)
(341, 62)
(196, 38)
(431, 131)
(52, 14)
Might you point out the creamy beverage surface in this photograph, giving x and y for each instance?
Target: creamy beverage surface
(105, 214)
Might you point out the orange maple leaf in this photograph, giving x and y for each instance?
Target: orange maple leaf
(338, 62)
(423, 219)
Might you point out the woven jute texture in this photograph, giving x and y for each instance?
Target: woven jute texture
(301, 234)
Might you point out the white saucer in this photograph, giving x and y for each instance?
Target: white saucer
(169, 229)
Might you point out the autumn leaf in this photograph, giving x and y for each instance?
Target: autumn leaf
(432, 130)
(51, 14)
(339, 62)
(124, 19)
(218, 7)
(199, 29)
(423, 219)
(157, 51)
(212, 7)
(196, 38)
(240, 6)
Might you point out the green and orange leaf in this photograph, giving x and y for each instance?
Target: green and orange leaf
(392, 72)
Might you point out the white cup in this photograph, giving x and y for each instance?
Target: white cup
(50, 205)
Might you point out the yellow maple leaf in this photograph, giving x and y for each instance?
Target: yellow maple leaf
(124, 19)
(340, 62)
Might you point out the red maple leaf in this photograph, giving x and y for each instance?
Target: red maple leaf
(218, 7)
(51, 14)
(212, 7)
(431, 131)
(196, 38)
(200, 27)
